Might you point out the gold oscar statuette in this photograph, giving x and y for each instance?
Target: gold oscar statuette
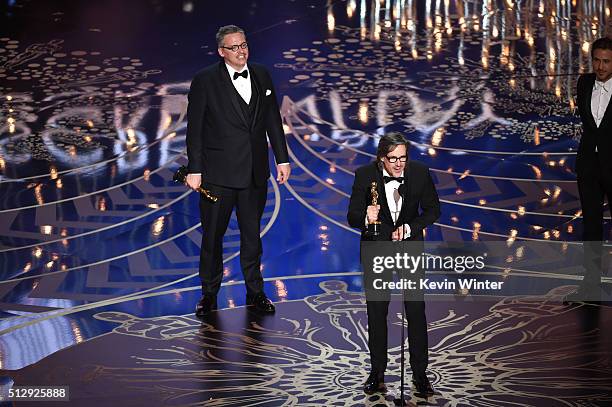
(181, 175)
(373, 229)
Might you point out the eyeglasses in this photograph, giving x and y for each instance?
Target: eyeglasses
(393, 160)
(234, 48)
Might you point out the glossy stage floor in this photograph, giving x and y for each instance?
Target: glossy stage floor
(99, 248)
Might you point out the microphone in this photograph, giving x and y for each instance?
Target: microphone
(396, 197)
(402, 189)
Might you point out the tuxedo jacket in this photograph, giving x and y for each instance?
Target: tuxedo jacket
(226, 139)
(420, 203)
(592, 135)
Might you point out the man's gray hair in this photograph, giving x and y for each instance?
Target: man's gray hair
(227, 29)
(388, 143)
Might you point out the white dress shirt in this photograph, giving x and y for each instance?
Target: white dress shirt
(392, 193)
(600, 98)
(242, 84)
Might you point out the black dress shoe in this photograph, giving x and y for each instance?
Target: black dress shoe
(207, 304)
(573, 298)
(424, 388)
(375, 384)
(261, 303)
(583, 295)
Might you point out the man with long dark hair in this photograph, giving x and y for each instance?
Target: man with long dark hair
(594, 162)
(408, 204)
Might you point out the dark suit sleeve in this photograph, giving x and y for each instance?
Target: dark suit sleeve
(195, 118)
(358, 203)
(274, 126)
(430, 207)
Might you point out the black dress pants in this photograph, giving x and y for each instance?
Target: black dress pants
(417, 336)
(594, 183)
(249, 203)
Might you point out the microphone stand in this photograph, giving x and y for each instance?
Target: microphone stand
(400, 401)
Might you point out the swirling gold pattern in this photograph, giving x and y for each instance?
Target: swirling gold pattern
(530, 351)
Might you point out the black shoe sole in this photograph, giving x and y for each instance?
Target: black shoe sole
(254, 308)
(421, 394)
(202, 315)
(382, 391)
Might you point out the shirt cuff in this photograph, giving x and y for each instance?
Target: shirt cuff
(406, 231)
(283, 163)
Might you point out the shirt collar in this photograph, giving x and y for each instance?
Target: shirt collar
(606, 86)
(386, 174)
(232, 70)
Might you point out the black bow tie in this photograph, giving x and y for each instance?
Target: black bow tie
(244, 74)
(389, 179)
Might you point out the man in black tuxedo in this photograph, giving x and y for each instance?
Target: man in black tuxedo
(232, 106)
(408, 204)
(594, 161)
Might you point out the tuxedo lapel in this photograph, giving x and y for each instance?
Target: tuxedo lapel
(232, 94)
(257, 90)
(382, 196)
(588, 92)
(405, 191)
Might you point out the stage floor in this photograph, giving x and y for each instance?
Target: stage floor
(100, 248)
